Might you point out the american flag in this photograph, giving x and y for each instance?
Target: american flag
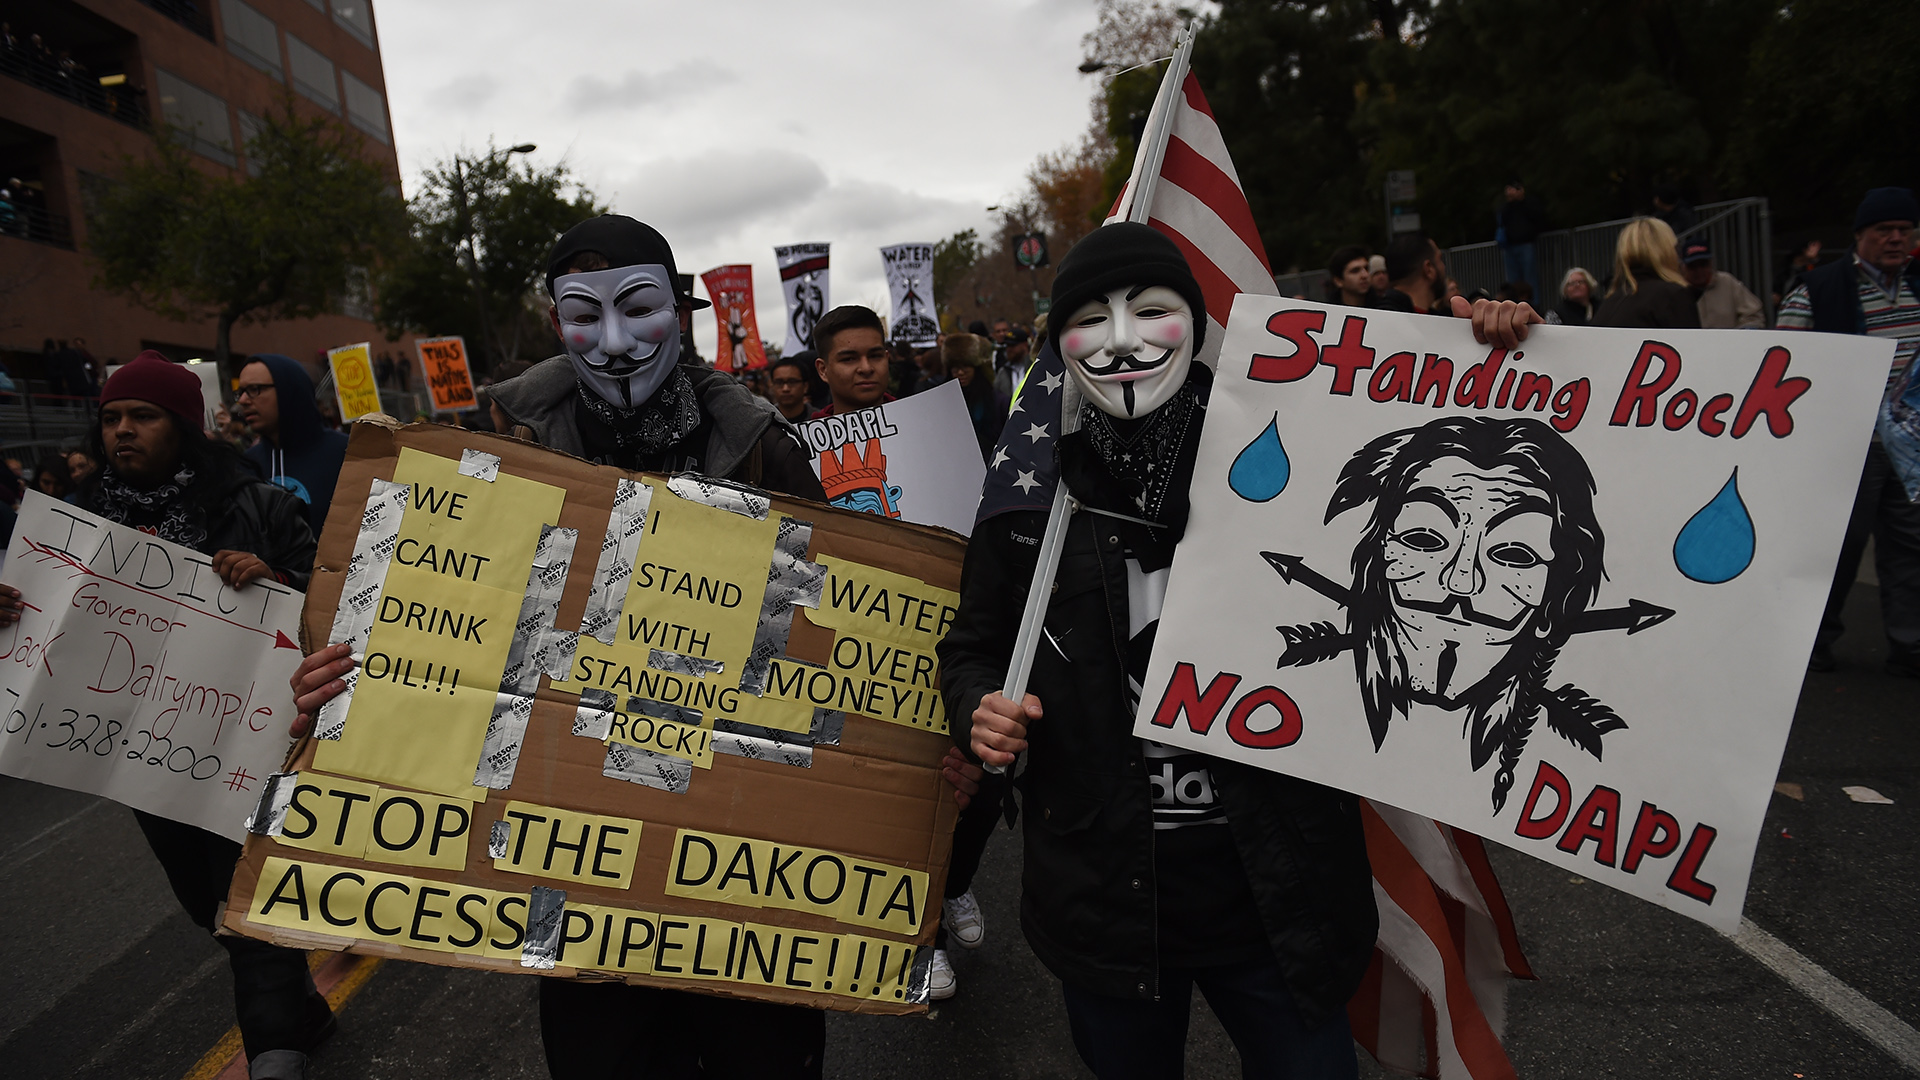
(1433, 1001)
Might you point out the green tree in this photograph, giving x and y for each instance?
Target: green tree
(290, 241)
(953, 259)
(474, 258)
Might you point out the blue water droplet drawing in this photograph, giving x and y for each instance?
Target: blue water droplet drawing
(1262, 469)
(1716, 545)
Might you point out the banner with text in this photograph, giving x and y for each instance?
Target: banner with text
(916, 459)
(449, 379)
(731, 290)
(354, 385)
(718, 771)
(803, 277)
(137, 674)
(910, 281)
(1561, 597)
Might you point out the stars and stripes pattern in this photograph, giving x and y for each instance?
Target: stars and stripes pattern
(1433, 1002)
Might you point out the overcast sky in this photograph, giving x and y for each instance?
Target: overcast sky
(733, 127)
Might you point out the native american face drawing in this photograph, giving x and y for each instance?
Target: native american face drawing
(1129, 351)
(620, 328)
(1478, 562)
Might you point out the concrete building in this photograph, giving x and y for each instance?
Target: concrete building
(86, 83)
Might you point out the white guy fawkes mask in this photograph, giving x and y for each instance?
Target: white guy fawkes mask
(1129, 350)
(621, 329)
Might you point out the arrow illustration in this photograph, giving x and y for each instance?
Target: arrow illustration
(1635, 617)
(1293, 569)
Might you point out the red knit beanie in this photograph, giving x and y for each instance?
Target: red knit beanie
(152, 377)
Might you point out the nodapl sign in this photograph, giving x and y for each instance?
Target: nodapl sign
(1561, 596)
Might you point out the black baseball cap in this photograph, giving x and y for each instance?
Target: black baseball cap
(623, 241)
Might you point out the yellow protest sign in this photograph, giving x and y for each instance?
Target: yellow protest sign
(353, 382)
(692, 741)
(443, 627)
(364, 821)
(569, 845)
(878, 603)
(449, 380)
(759, 873)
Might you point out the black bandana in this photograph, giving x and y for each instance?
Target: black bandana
(164, 511)
(1141, 468)
(654, 425)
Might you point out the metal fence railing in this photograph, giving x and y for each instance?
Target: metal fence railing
(125, 102)
(35, 224)
(43, 421)
(1740, 231)
(188, 13)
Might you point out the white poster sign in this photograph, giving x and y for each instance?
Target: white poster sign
(916, 459)
(1561, 597)
(910, 281)
(803, 277)
(137, 674)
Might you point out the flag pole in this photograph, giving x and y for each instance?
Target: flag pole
(1146, 168)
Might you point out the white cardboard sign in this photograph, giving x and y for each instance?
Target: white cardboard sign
(1562, 598)
(915, 459)
(137, 674)
(910, 284)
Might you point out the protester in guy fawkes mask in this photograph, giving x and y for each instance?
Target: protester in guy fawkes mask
(620, 396)
(160, 474)
(1151, 869)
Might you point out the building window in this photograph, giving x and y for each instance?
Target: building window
(200, 117)
(251, 37)
(356, 17)
(365, 107)
(312, 74)
(250, 126)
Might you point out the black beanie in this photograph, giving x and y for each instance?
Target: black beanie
(1123, 253)
(624, 242)
(1886, 204)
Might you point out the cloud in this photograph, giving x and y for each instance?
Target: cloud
(466, 93)
(593, 93)
(714, 195)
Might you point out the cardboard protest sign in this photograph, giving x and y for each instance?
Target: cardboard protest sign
(738, 329)
(137, 674)
(803, 277)
(449, 380)
(676, 732)
(915, 459)
(910, 283)
(1562, 597)
(353, 381)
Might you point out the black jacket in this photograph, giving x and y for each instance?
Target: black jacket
(1088, 889)
(746, 438)
(1658, 304)
(245, 513)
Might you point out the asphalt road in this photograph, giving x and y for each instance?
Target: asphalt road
(105, 977)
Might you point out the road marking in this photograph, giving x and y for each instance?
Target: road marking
(1880, 1027)
(13, 859)
(338, 976)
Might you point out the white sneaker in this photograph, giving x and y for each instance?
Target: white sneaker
(965, 922)
(940, 981)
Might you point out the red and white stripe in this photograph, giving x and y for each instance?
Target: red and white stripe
(1433, 1002)
(1199, 203)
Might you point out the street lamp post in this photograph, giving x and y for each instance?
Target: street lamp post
(471, 253)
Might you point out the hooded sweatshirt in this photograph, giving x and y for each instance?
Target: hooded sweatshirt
(307, 460)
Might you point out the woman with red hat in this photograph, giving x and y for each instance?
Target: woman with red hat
(162, 475)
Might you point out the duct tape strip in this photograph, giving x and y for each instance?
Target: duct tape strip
(480, 465)
(660, 710)
(546, 914)
(791, 581)
(360, 592)
(920, 979)
(500, 750)
(692, 666)
(735, 727)
(644, 767)
(759, 748)
(533, 635)
(827, 725)
(270, 812)
(722, 494)
(618, 551)
(498, 838)
(593, 718)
